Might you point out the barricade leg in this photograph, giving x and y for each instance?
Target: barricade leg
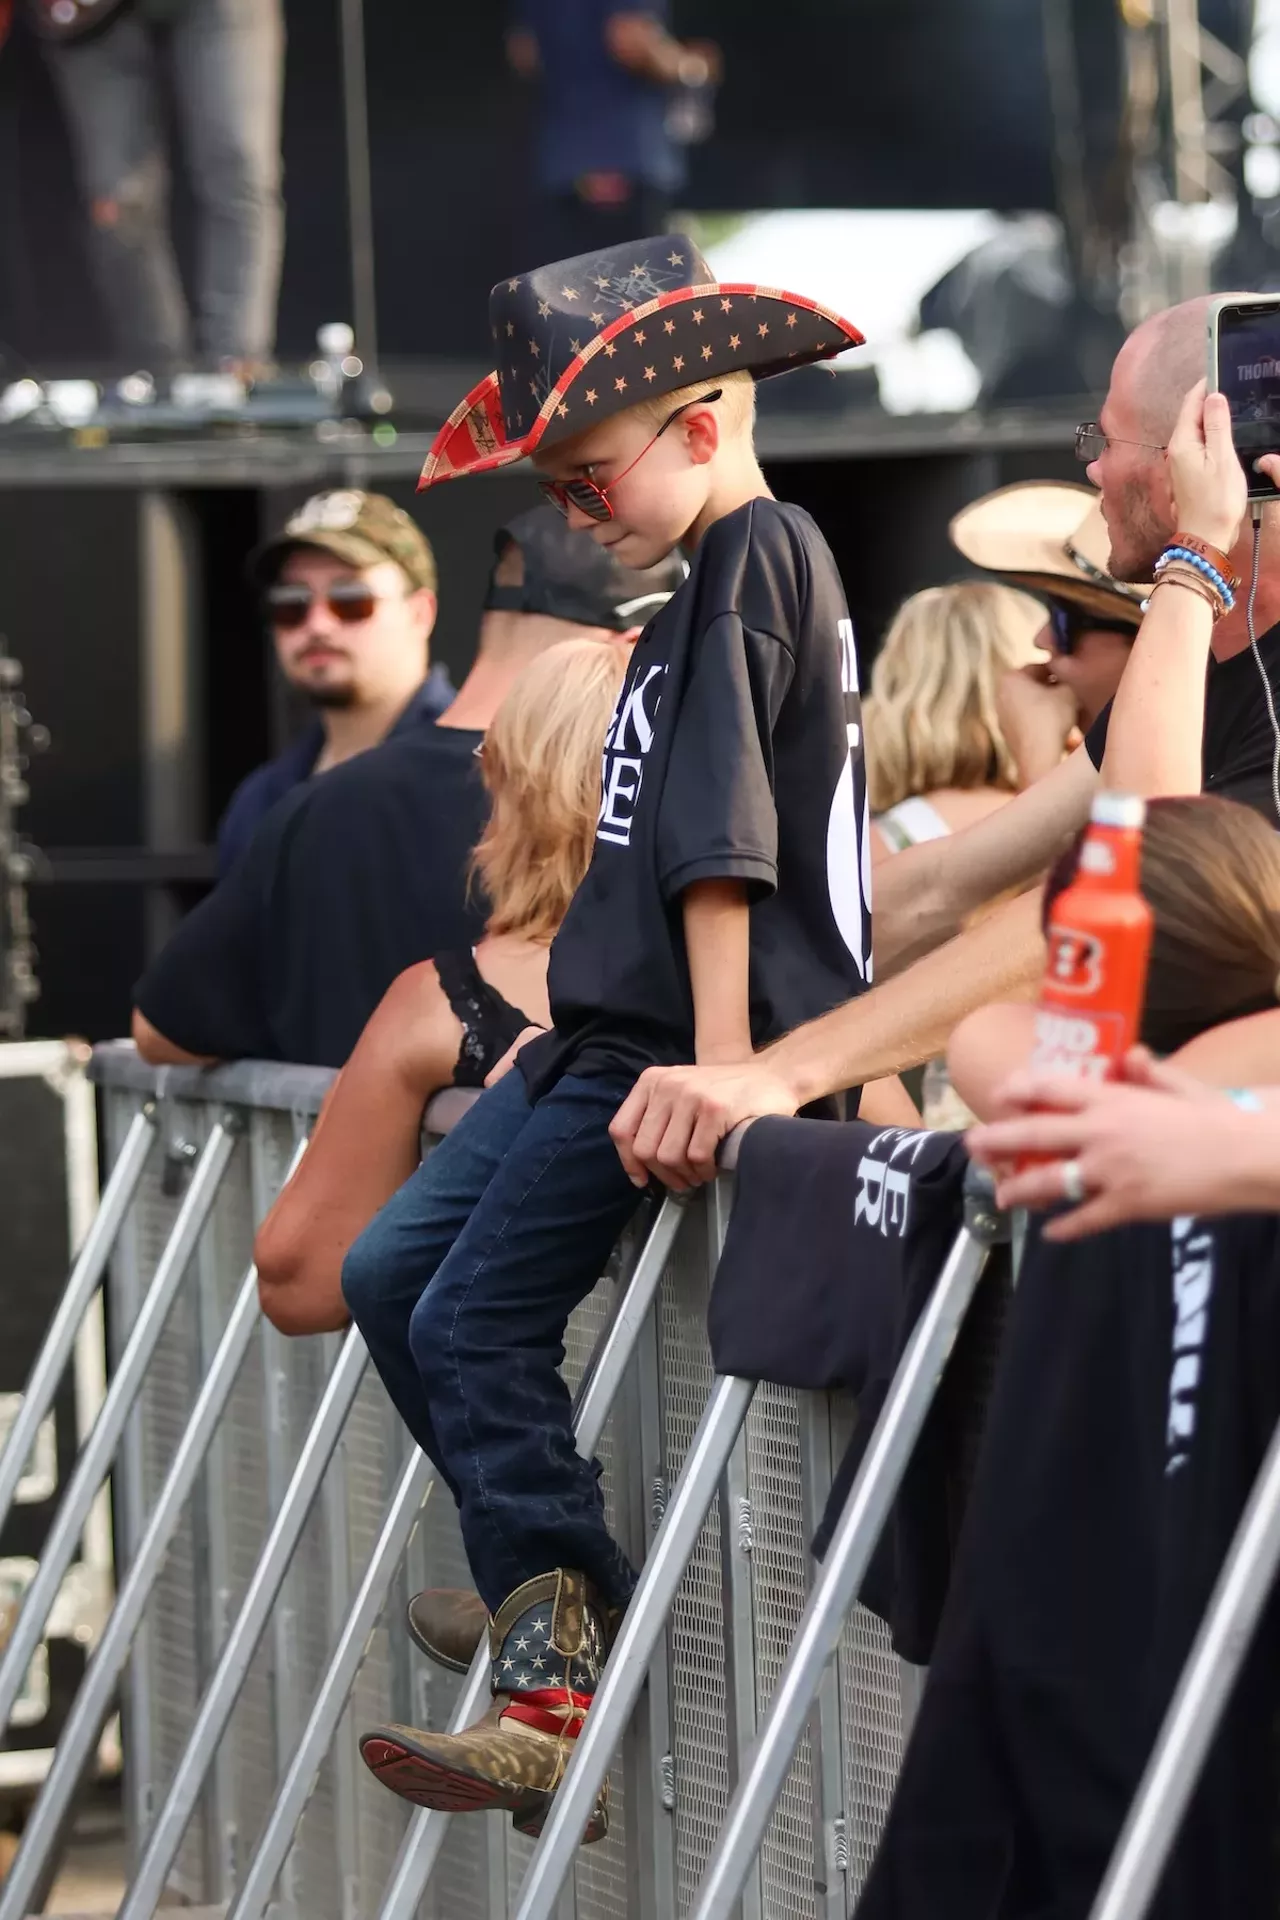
(142, 1898)
(397, 1529)
(100, 1448)
(1195, 1713)
(86, 1274)
(818, 1636)
(427, 1830)
(628, 1663)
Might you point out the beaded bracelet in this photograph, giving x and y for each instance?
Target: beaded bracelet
(1214, 555)
(1178, 576)
(1205, 568)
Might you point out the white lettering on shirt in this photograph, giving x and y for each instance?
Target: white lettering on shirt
(848, 838)
(1192, 1290)
(884, 1191)
(629, 738)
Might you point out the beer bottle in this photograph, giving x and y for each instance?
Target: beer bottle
(1099, 937)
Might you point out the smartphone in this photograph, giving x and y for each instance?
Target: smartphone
(1244, 364)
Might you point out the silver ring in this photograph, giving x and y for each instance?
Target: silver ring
(1073, 1187)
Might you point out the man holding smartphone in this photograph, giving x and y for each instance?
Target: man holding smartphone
(1171, 730)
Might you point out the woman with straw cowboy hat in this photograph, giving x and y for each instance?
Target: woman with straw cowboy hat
(1049, 539)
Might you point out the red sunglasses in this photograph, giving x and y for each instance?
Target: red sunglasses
(288, 603)
(593, 500)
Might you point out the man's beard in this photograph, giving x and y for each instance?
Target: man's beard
(330, 699)
(1140, 539)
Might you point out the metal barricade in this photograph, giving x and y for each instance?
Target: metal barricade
(274, 1520)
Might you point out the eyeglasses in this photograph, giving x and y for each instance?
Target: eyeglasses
(288, 603)
(1068, 624)
(593, 500)
(1092, 442)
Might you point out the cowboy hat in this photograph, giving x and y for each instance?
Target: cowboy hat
(1048, 537)
(584, 338)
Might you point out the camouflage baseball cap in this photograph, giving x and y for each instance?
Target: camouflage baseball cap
(359, 528)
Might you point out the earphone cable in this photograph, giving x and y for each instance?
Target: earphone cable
(1255, 509)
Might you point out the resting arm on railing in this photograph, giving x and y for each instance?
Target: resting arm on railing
(364, 1147)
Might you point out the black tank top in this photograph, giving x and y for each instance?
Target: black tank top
(490, 1024)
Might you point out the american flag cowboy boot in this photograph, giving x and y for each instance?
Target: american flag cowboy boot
(547, 1643)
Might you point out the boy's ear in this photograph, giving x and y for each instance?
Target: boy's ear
(701, 434)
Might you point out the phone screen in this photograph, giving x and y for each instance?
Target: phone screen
(1249, 376)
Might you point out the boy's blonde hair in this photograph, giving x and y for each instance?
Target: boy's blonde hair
(541, 761)
(737, 403)
(930, 719)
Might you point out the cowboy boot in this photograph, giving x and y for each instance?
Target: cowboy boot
(449, 1625)
(547, 1645)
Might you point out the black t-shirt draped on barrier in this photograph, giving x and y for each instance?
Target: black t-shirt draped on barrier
(1239, 744)
(1135, 1397)
(735, 751)
(351, 878)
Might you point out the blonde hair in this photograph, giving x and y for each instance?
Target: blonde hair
(541, 764)
(737, 403)
(930, 718)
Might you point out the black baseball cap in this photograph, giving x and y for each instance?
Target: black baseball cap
(569, 577)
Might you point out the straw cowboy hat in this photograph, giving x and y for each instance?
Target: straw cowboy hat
(584, 338)
(1048, 537)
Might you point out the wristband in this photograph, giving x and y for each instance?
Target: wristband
(1184, 557)
(1214, 555)
(1175, 576)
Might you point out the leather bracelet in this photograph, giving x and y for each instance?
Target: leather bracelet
(1176, 577)
(1214, 555)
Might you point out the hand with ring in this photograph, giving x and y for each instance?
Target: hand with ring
(1137, 1148)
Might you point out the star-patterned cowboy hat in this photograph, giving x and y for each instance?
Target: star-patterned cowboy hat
(584, 338)
(1049, 538)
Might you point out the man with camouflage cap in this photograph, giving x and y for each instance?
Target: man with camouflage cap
(348, 589)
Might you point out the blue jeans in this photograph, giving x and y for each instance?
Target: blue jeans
(226, 62)
(462, 1286)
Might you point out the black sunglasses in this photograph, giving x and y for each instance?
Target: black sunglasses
(593, 500)
(1067, 624)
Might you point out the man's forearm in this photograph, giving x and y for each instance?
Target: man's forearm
(910, 1018)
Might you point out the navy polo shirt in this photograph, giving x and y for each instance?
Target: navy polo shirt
(258, 792)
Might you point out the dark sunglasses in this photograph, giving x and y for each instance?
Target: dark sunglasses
(1067, 624)
(288, 603)
(593, 500)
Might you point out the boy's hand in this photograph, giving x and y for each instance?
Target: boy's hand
(674, 1118)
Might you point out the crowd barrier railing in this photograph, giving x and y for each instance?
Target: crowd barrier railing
(273, 1520)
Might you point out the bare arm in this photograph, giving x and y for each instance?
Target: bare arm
(925, 894)
(161, 1052)
(363, 1149)
(675, 1117)
(984, 1050)
(1155, 737)
(639, 42)
(716, 942)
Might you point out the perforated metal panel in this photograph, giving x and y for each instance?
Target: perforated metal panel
(350, 1833)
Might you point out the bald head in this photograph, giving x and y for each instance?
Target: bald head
(1163, 358)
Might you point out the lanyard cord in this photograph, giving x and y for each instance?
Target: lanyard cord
(1255, 510)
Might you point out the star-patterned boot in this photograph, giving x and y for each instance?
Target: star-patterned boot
(449, 1625)
(547, 1643)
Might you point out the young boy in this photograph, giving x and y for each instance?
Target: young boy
(727, 900)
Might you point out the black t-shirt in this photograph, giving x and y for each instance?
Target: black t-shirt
(349, 879)
(735, 751)
(1239, 744)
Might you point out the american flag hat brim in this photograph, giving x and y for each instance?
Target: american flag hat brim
(558, 377)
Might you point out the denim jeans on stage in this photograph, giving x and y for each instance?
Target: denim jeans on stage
(226, 63)
(462, 1286)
